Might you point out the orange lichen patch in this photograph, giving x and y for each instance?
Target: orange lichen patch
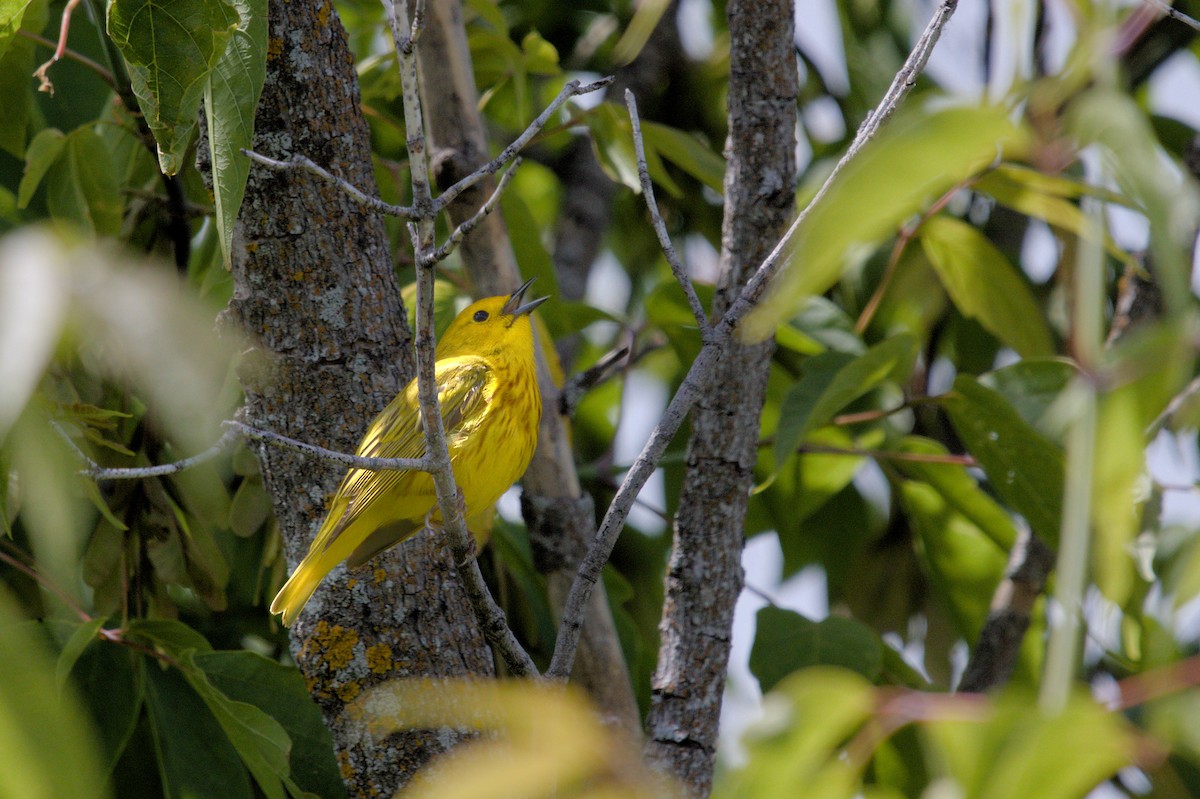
(274, 47)
(379, 658)
(323, 14)
(344, 766)
(297, 276)
(334, 643)
(347, 691)
(380, 576)
(353, 581)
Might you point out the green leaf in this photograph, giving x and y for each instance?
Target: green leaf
(196, 759)
(83, 637)
(112, 680)
(800, 743)
(985, 286)
(612, 140)
(279, 691)
(1024, 467)
(916, 158)
(534, 258)
(48, 742)
(541, 57)
(173, 638)
(687, 152)
(260, 741)
(833, 380)
(645, 19)
(959, 490)
(1033, 385)
(1043, 197)
(785, 641)
(249, 509)
(964, 565)
(230, 97)
(16, 67)
(1020, 751)
(42, 153)
(170, 49)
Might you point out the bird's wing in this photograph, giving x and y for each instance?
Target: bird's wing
(465, 384)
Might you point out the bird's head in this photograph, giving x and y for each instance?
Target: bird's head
(491, 325)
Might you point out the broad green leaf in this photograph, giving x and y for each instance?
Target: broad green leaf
(279, 691)
(1020, 751)
(985, 286)
(49, 744)
(250, 508)
(800, 743)
(686, 152)
(196, 759)
(16, 68)
(833, 380)
(958, 489)
(83, 637)
(168, 636)
(1044, 197)
(170, 48)
(785, 642)
(11, 14)
(1033, 385)
(112, 681)
(231, 95)
(964, 565)
(1024, 467)
(260, 741)
(42, 153)
(82, 186)
(917, 157)
(535, 260)
(612, 140)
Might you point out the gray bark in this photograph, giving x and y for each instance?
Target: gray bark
(459, 146)
(314, 287)
(704, 576)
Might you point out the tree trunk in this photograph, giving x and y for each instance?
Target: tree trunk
(704, 577)
(556, 508)
(314, 286)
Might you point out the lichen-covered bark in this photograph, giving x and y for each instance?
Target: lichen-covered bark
(704, 576)
(459, 146)
(315, 287)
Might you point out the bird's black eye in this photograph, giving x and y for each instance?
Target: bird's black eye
(480, 316)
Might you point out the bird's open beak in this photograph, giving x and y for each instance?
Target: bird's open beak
(514, 307)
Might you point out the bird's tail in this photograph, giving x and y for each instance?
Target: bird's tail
(299, 588)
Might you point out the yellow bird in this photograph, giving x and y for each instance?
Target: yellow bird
(487, 388)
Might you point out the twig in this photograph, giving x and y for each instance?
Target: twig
(660, 227)
(1172, 408)
(487, 612)
(303, 164)
(572, 89)
(578, 385)
(354, 461)
(77, 57)
(99, 474)
(41, 580)
(485, 210)
(689, 390)
(44, 84)
(1174, 13)
(994, 657)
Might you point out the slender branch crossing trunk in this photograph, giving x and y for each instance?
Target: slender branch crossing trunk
(704, 576)
(554, 504)
(314, 286)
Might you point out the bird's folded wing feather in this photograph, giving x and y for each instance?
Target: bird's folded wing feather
(463, 390)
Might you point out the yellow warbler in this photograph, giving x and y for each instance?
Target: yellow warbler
(487, 388)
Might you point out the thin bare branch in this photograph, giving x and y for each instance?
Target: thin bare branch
(486, 209)
(44, 83)
(660, 227)
(99, 474)
(579, 384)
(572, 89)
(1174, 13)
(353, 461)
(300, 163)
(487, 612)
(79, 58)
(614, 519)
